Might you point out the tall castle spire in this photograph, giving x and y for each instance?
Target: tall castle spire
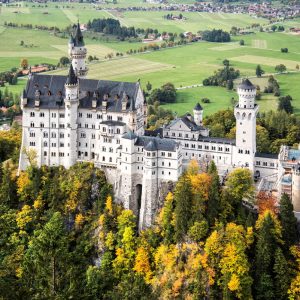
(78, 52)
(72, 78)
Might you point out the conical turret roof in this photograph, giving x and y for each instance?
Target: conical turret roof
(72, 78)
(198, 107)
(246, 84)
(78, 38)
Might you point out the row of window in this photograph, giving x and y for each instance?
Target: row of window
(99, 117)
(265, 164)
(42, 115)
(180, 135)
(53, 154)
(242, 151)
(206, 147)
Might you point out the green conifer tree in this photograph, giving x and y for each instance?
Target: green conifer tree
(288, 221)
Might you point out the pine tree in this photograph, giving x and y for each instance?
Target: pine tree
(264, 257)
(183, 204)
(259, 71)
(288, 221)
(282, 278)
(45, 264)
(213, 203)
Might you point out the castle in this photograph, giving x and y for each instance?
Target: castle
(69, 119)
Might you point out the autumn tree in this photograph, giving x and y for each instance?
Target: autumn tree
(183, 198)
(24, 63)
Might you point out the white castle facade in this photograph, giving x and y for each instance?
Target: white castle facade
(69, 119)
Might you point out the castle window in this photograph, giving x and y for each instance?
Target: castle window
(31, 114)
(169, 164)
(109, 118)
(186, 135)
(83, 135)
(45, 153)
(45, 134)
(103, 158)
(61, 125)
(179, 134)
(42, 114)
(227, 149)
(61, 145)
(162, 172)
(61, 115)
(111, 149)
(31, 143)
(85, 153)
(61, 135)
(45, 144)
(93, 126)
(118, 131)
(32, 134)
(53, 154)
(93, 136)
(163, 154)
(53, 144)
(186, 145)
(53, 135)
(110, 159)
(265, 163)
(53, 115)
(153, 164)
(169, 154)
(86, 125)
(153, 154)
(99, 116)
(31, 124)
(80, 115)
(104, 129)
(199, 146)
(120, 118)
(258, 163)
(42, 125)
(153, 172)
(206, 147)
(173, 133)
(53, 125)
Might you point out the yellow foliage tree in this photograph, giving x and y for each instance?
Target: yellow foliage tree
(142, 264)
(294, 290)
(79, 221)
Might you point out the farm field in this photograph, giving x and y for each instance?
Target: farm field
(184, 66)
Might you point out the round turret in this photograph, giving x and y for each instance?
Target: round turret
(247, 92)
(198, 114)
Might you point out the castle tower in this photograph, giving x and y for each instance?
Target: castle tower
(198, 114)
(245, 113)
(77, 53)
(296, 188)
(71, 112)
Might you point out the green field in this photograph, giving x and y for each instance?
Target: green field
(184, 66)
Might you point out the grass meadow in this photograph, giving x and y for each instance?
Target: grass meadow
(184, 66)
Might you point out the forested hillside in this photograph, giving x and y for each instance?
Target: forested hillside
(63, 237)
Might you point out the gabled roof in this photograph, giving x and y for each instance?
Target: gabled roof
(186, 120)
(155, 143)
(129, 135)
(198, 107)
(246, 84)
(52, 92)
